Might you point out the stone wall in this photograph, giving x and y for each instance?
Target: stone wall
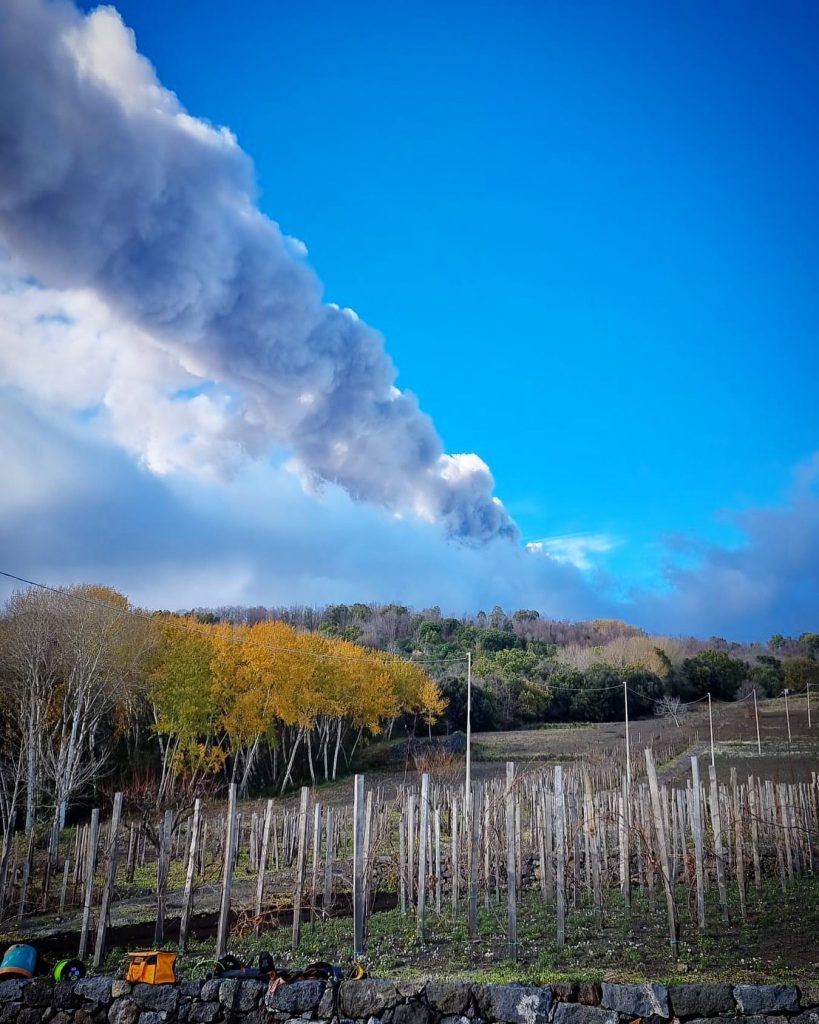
(373, 1001)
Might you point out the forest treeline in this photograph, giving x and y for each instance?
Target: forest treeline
(94, 692)
(167, 705)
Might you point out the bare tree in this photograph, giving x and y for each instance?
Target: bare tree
(671, 707)
(28, 679)
(68, 664)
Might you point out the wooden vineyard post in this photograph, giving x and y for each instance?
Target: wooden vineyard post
(358, 866)
(719, 853)
(300, 865)
(89, 871)
(739, 857)
(263, 858)
(511, 864)
(327, 897)
(487, 848)
(437, 826)
(699, 842)
(187, 899)
(315, 864)
(227, 874)
(163, 865)
(129, 860)
(455, 857)
(410, 847)
(474, 860)
(560, 857)
(624, 826)
(110, 881)
(662, 850)
(402, 861)
(753, 812)
(64, 889)
(368, 830)
(422, 861)
(592, 848)
(539, 824)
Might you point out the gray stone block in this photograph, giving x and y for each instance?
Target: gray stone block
(808, 996)
(368, 997)
(95, 990)
(149, 1017)
(326, 1006)
(766, 998)
(156, 997)
(204, 1013)
(411, 988)
(123, 1011)
(456, 1020)
(12, 990)
(579, 1013)
(452, 998)
(210, 990)
(250, 993)
(297, 998)
(416, 1012)
(63, 996)
(30, 1015)
(38, 993)
(514, 1004)
(228, 991)
(637, 1000)
(9, 1012)
(587, 992)
(701, 1000)
(807, 1017)
(190, 989)
(120, 987)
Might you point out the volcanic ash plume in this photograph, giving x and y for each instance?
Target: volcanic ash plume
(108, 187)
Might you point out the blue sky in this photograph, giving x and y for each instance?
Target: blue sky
(587, 232)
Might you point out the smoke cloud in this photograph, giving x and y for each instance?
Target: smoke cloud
(110, 191)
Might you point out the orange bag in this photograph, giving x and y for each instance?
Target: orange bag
(152, 967)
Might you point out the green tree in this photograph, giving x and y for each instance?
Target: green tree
(800, 672)
(811, 642)
(714, 672)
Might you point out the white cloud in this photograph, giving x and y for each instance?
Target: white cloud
(146, 218)
(574, 548)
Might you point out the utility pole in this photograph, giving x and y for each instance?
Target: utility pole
(628, 742)
(756, 716)
(788, 717)
(468, 793)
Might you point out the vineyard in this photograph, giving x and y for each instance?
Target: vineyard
(574, 846)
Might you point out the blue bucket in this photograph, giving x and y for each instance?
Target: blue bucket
(19, 962)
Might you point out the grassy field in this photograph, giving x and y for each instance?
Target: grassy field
(775, 944)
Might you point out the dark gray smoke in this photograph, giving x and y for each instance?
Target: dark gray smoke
(107, 184)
